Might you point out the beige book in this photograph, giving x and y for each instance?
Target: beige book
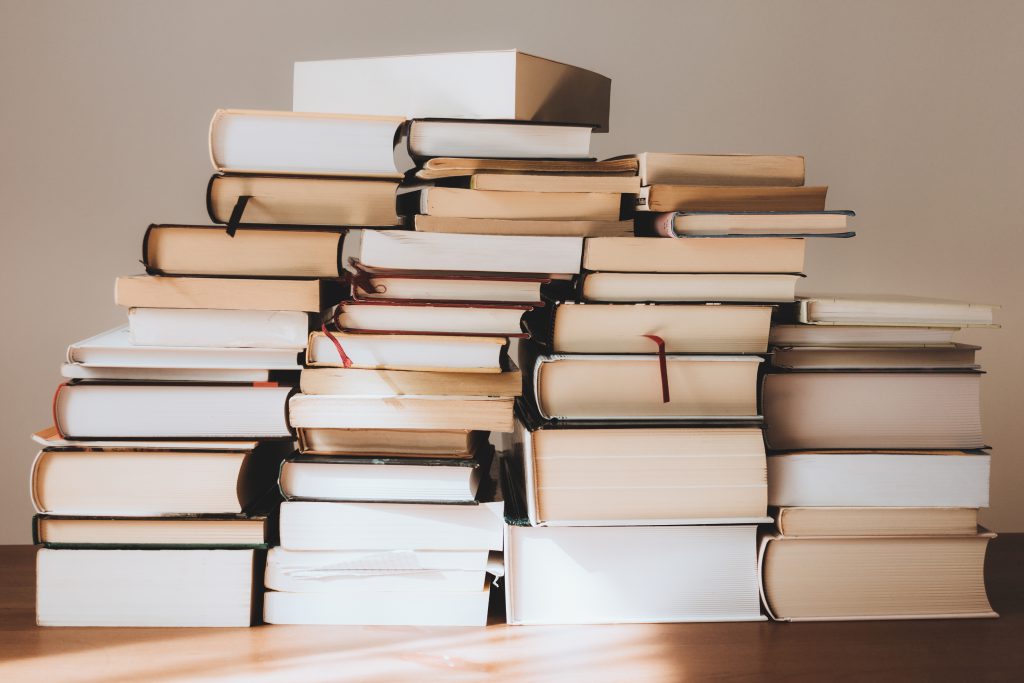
(897, 311)
(147, 291)
(404, 383)
(458, 202)
(838, 357)
(876, 521)
(719, 169)
(526, 228)
(191, 531)
(401, 412)
(210, 250)
(855, 578)
(596, 387)
(860, 336)
(669, 287)
(728, 198)
(427, 352)
(658, 255)
(449, 167)
(436, 443)
(314, 201)
(540, 182)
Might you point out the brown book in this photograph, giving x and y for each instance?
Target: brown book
(719, 169)
(153, 291)
(352, 381)
(210, 250)
(493, 414)
(537, 228)
(435, 443)
(180, 530)
(303, 200)
(539, 182)
(449, 167)
(727, 198)
(876, 521)
(458, 202)
(654, 255)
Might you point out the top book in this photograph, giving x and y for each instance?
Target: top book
(499, 84)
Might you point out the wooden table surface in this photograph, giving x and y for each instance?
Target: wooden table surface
(957, 650)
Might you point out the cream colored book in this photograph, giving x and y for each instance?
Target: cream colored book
(362, 382)
(400, 412)
(847, 357)
(892, 310)
(426, 353)
(463, 203)
(541, 182)
(149, 291)
(876, 521)
(657, 255)
(719, 169)
(669, 287)
(435, 443)
(523, 228)
(219, 531)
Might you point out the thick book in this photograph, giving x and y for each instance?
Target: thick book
(360, 382)
(798, 521)
(947, 356)
(879, 478)
(568, 327)
(302, 200)
(390, 526)
(453, 167)
(729, 198)
(457, 202)
(445, 287)
(872, 409)
(746, 224)
(152, 291)
(523, 228)
(483, 413)
(428, 138)
(642, 475)
(892, 310)
(218, 328)
(147, 588)
(677, 287)
(496, 84)
(210, 250)
(861, 336)
(152, 482)
(648, 255)
(294, 143)
(656, 168)
(98, 410)
(859, 578)
(186, 531)
(428, 352)
(433, 443)
(400, 250)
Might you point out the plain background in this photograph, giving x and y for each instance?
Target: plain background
(910, 111)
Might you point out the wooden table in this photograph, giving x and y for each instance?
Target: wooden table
(959, 650)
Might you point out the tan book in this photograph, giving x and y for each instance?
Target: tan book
(450, 167)
(435, 443)
(719, 169)
(655, 255)
(312, 201)
(876, 521)
(458, 202)
(219, 531)
(427, 352)
(210, 250)
(898, 311)
(728, 198)
(857, 578)
(352, 381)
(148, 291)
(538, 228)
(669, 287)
(540, 182)
(401, 412)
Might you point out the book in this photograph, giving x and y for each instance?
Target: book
(146, 374)
(357, 382)
(486, 139)
(523, 228)
(355, 605)
(822, 579)
(152, 482)
(783, 335)
(210, 250)
(218, 328)
(549, 182)
(746, 224)
(648, 255)
(727, 199)
(442, 287)
(620, 387)
(647, 574)
(434, 443)
(567, 327)
(458, 202)
(448, 167)
(642, 475)
(428, 353)
(181, 531)
(496, 84)
(154, 588)
(959, 356)
(892, 310)
(297, 143)
(303, 200)
(874, 410)
(401, 412)
(166, 411)
(50, 437)
(879, 479)
(394, 250)
(150, 291)
(116, 349)
(668, 287)
(666, 168)
(390, 526)
(430, 317)
(876, 521)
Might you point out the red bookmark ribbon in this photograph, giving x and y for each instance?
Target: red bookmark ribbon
(345, 360)
(662, 365)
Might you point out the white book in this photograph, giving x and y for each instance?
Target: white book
(879, 479)
(155, 588)
(647, 574)
(218, 328)
(362, 479)
(488, 139)
(96, 372)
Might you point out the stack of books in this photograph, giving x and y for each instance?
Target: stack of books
(878, 467)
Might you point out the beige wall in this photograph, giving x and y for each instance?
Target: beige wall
(911, 111)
